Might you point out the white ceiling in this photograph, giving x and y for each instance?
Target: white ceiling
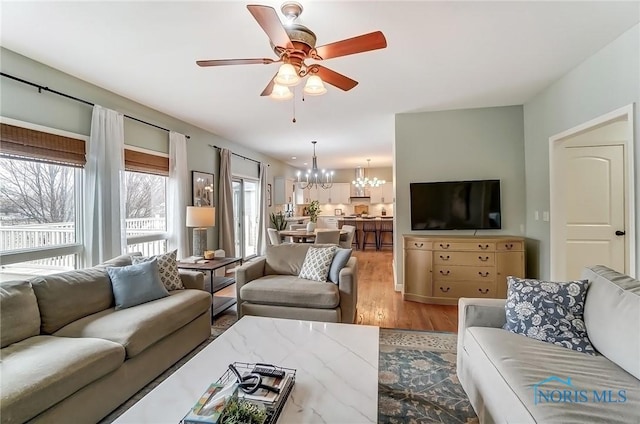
(440, 55)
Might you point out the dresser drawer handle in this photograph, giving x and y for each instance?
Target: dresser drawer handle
(483, 274)
(418, 245)
(483, 247)
(485, 291)
(483, 259)
(445, 273)
(445, 258)
(443, 290)
(444, 246)
(509, 246)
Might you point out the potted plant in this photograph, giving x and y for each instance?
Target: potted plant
(314, 210)
(278, 221)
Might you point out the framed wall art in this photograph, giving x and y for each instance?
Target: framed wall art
(202, 188)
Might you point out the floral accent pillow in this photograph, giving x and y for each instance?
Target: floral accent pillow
(549, 311)
(168, 266)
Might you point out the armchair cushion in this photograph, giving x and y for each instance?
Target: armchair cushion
(289, 290)
(316, 263)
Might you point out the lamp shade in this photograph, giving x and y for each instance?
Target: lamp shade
(280, 92)
(201, 216)
(287, 75)
(314, 86)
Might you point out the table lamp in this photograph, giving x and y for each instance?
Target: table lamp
(200, 217)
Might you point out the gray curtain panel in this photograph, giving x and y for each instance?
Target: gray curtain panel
(226, 239)
(262, 210)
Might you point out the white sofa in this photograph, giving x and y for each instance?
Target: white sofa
(511, 378)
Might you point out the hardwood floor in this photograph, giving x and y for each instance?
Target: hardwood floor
(380, 305)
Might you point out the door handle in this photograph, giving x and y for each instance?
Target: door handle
(620, 233)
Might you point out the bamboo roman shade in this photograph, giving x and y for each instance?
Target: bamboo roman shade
(144, 162)
(25, 143)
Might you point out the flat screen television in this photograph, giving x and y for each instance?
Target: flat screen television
(456, 205)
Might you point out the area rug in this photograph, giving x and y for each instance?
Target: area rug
(417, 380)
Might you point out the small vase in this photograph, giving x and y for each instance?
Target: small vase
(311, 226)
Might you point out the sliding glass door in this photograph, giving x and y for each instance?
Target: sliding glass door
(245, 216)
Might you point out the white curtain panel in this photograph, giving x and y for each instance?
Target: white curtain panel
(226, 238)
(104, 215)
(177, 195)
(262, 210)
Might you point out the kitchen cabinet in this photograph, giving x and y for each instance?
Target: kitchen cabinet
(324, 195)
(283, 189)
(330, 222)
(382, 194)
(441, 269)
(305, 196)
(338, 193)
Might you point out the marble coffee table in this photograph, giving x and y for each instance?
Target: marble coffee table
(336, 381)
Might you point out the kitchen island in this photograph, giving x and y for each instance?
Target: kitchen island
(383, 229)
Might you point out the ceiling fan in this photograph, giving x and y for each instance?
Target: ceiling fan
(294, 43)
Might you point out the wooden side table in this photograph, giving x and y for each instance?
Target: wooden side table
(219, 303)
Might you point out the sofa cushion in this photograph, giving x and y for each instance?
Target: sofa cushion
(19, 314)
(136, 284)
(68, 296)
(317, 262)
(141, 326)
(285, 259)
(40, 371)
(340, 260)
(289, 290)
(612, 314)
(548, 311)
(168, 268)
(531, 369)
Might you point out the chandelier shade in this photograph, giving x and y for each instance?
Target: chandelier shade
(315, 177)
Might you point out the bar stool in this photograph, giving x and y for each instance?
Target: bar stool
(356, 239)
(386, 226)
(369, 227)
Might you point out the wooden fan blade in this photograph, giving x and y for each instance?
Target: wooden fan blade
(334, 78)
(269, 88)
(268, 19)
(359, 44)
(223, 62)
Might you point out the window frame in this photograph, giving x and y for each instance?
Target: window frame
(31, 254)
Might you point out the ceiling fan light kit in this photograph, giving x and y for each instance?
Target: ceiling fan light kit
(294, 43)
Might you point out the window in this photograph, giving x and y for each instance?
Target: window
(145, 212)
(40, 184)
(146, 201)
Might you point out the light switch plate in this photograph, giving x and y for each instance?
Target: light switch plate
(545, 216)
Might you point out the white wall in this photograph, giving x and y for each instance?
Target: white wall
(471, 144)
(24, 103)
(606, 81)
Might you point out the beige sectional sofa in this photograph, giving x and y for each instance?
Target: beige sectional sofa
(511, 378)
(68, 356)
(269, 286)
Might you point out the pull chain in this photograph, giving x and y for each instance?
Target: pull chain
(294, 106)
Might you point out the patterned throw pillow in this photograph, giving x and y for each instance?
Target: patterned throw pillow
(317, 262)
(169, 274)
(549, 311)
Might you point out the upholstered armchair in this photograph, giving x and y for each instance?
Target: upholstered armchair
(269, 286)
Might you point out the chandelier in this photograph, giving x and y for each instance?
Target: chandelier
(363, 181)
(315, 177)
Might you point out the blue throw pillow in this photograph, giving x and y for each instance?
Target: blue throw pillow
(340, 259)
(549, 311)
(136, 284)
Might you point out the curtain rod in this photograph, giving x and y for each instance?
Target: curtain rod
(235, 154)
(41, 87)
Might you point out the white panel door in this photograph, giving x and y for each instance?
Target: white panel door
(593, 202)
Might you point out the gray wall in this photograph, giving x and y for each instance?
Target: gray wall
(455, 145)
(22, 102)
(606, 81)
